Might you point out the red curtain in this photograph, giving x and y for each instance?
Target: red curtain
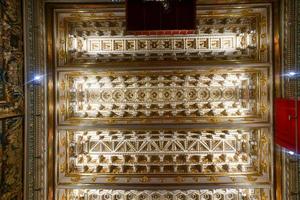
(142, 15)
(285, 123)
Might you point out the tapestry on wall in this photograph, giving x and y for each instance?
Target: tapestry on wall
(11, 100)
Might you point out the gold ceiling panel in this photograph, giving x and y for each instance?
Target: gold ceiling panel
(202, 194)
(153, 156)
(222, 34)
(227, 95)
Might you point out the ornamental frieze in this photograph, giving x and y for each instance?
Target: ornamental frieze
(202, 194)
(164, 96)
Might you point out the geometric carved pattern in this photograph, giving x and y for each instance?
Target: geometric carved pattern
(198, 95)
(202, 194)
(163, 152)
(91, 38)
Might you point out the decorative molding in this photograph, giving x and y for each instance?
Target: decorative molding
(290, 48)
(35, 118)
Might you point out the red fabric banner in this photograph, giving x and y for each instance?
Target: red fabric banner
(144, 15)
(286, 113)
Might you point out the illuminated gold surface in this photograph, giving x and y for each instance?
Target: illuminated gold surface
(235, 34)
(235, 96)
(164, 96)
(161, 154)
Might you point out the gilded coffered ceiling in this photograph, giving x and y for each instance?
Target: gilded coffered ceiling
(164, 96)
(162, 115)
(166, 156)
(91, 37)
